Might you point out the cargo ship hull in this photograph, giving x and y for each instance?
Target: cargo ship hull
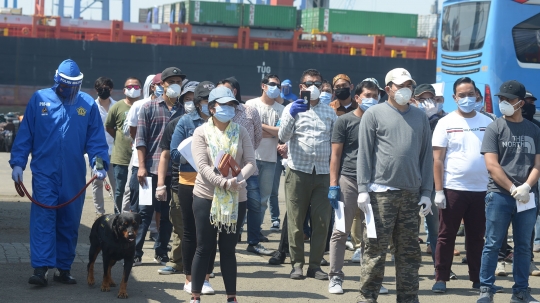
(29, 64)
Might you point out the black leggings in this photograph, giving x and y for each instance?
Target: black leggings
(189, 242)
(206, 242)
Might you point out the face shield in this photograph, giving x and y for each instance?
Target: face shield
(67, 88)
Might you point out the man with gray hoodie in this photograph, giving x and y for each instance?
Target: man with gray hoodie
(395, 165)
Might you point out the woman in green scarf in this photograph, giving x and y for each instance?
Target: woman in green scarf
(219, 202)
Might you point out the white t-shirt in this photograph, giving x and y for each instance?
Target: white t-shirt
(464, 165)
(270, 114)
(103, 113)
(132, 119)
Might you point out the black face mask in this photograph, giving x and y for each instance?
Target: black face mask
(343, 93)
(104, 93)
(528, 111)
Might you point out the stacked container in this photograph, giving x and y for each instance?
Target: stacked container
(269, 16)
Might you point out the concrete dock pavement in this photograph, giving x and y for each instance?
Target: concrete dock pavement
(257, 281)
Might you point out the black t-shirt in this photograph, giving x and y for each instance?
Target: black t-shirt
(346, 131)
(165, 144)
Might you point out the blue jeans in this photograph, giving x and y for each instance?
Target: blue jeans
(134, 190)
(274, 202)
(537, 231)
(500, 211)
(165, 226)
(266, 182)
(253, 210)
(120, 175)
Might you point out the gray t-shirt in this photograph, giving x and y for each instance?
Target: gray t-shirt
(516, 144)
(346, 132)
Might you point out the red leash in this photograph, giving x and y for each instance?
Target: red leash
(21, 190)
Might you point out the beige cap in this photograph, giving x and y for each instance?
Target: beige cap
(398, 76)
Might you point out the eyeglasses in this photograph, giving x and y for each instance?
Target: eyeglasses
(310, 83)
(273, 84)
(133, 86)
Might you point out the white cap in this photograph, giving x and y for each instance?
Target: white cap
(398, 76)
(439, 89)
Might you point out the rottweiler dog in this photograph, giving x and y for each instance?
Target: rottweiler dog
(113, 235)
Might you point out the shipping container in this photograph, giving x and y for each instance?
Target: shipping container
(167, 9)
(427, 26)
(360, 22)
(282, 2)
(144, 13)
(269, 16)
(177, 13)
(213, 13)
(155, 15)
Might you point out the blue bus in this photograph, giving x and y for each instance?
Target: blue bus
(490, 42)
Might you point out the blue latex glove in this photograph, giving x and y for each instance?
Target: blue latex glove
(100, 173)
(298, 106)
(333, 196)
(17, 174)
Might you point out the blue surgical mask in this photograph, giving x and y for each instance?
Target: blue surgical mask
(439, 107)
(204, 109)
(479, 106)
(272, 92)
(367, 103)
(224, 113)
(325, 98)
(467, 104)
(158, 90)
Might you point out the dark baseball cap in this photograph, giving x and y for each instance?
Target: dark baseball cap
(424, 88)
(172, 72)
(202, 91)
(528, 94)
(512, 89)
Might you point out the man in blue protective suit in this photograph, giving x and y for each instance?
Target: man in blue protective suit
(60, 125)
(287, 92)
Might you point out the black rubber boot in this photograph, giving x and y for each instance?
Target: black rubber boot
(39, 277)
(63, 276)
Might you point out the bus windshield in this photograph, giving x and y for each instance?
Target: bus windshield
(464, 26)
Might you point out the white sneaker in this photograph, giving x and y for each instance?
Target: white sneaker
(275, 226)
(349, 245)
(207, 288)
(500, 271)
(334, 287)
(187, 288)
(383, 290)
(357, 256)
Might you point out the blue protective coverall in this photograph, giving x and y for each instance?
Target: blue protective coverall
(58, 135)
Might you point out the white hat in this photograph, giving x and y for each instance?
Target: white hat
(398, 76)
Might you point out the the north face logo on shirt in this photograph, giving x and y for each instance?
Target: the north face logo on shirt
(522, 144)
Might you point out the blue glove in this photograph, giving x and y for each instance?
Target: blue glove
(17, 174)
(100, 173)
(298, 106)
(333, 196)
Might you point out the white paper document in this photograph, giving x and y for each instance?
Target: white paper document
(185, 150)
(370, 224)
(218, 158)
(145, 192)
(340, 217)
(524, 206)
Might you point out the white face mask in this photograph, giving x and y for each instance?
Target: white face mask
(507, 109)
(132, 93)
(315, 92)
(189, 106)
(403, 96)
(173, 91)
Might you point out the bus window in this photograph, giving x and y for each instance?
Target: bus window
(527, 39)
(464, 26)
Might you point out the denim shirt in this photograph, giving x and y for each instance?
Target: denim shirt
(184, 129)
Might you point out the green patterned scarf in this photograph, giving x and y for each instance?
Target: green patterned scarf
(224, 210)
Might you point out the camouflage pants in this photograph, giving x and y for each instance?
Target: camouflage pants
(396, 217)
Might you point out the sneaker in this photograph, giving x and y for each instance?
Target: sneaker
(212, 275)
(453, 276)
(168, 270)
(324, 262)
(39, 277)
(335, 285)
(260, 250)
(439, 287)
(349, 245)
(195, 301)
(137, 261)
(536, 247)
(523, 296)
(163, 259)
(486, 296)
(207, 288)
(278, 258)
(533, 270)
(275, 226)
(500, 271)
(461, 231)
(63, 276)
(317, 273)
(187, 288)
(464, 260)
(297, 273)
(357, 256)
(383, 290)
